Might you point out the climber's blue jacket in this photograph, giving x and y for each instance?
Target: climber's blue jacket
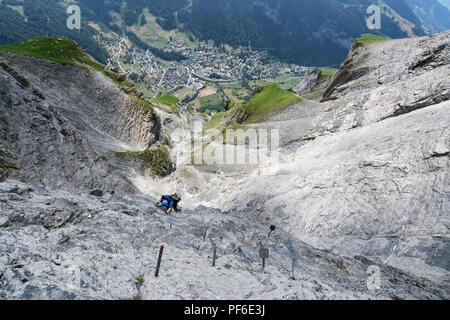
(169, 200)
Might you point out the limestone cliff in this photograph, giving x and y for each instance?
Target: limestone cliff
(59, 123)
(363, 183)
(367, 171)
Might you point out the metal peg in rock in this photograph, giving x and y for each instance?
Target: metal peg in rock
(293, 270)
(158, 265)
(272, 229)
(263, 254)
(214, 257)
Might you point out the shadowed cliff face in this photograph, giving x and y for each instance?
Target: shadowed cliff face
(61, 122)
(363, 184)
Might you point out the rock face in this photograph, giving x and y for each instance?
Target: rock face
(73, 245)
(308, 83)
(385, 80)
(58, 124)
(369, 173)
(361, 200)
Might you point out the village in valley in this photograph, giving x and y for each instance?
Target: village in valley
(207, 77)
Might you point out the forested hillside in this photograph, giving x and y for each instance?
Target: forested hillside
(21, 20)
(309, 32)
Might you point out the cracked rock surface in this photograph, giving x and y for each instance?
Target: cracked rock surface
(366, 172)
(363, 185)
(114, 240)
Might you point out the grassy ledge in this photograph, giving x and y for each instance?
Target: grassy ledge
(142, 103)
(156, 159)
(368, 38)
(60, 50)
(326, 73)
(167, 100)
(266, 100)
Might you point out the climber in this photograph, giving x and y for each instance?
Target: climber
(170, 202)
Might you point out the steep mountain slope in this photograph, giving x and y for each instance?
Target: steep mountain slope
(61, 239)
(301, 31)
(366, 171)
(60, 122)
(306, 32)
(433, 15)
(60, 245)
